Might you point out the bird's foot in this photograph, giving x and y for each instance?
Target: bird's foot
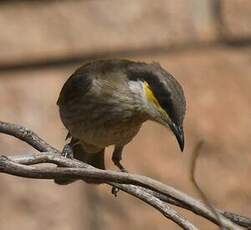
(68, 152)
(115, 190)
(121, 167)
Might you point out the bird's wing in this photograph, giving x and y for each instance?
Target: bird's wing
(77, 85)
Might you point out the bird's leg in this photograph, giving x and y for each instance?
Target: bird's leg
(117, 157)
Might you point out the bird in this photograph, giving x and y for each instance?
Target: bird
(106, 101)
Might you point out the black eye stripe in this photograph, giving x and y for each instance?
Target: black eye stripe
(158, 88)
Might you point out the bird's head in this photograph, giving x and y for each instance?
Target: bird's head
(163, 97)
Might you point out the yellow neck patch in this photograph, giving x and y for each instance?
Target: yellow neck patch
(150, 96)
(152, 99)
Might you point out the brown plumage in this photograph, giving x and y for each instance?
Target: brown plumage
(105, 102)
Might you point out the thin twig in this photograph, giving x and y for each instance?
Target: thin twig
(77, 169)
(31, 159)
(48, 157)
(164, 208)
(195, 156)
(45, 157)
(35, 141)
(99, 175)
(13, 168)
(26, 135)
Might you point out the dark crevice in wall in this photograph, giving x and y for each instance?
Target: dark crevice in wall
(222, 40)
(79, 59)
(9, 2)
(223, 35)
(238, 42)
(218, 18)
(143, 52)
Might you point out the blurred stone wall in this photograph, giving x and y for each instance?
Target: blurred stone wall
(204, 43)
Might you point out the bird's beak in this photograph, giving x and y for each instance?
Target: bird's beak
(179, 134)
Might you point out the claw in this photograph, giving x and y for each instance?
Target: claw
(115, 191)
(68, 152)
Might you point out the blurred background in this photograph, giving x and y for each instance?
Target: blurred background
(205, 44)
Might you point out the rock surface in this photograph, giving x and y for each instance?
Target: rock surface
(34, 30)
(217, 86)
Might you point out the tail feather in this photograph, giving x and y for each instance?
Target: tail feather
(97, 160)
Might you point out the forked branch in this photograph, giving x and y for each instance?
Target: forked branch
(152, 192)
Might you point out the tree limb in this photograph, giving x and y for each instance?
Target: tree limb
(150, 191)
(26, 135)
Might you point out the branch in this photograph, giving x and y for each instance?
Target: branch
(150, 191)
(164, 208)
(12, 167)
(26, 135)
(79, 170)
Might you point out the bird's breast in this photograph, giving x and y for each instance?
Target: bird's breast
(105, 133)
(102, 123)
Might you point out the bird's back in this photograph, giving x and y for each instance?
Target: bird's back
(97, 104)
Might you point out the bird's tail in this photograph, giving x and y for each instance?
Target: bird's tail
(95, 159)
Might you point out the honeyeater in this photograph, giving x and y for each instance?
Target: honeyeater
(105, 102)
